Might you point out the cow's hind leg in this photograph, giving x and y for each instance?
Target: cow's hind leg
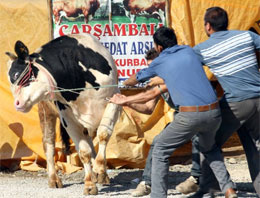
(48, 117)
(104, 132)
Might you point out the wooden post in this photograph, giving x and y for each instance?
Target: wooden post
(49, 2)
(167, 13)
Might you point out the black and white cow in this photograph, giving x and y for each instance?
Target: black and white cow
(78, 73)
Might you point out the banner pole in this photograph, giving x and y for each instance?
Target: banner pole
(110, 13)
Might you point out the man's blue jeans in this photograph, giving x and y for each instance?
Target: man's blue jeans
(242, 117)
(195, 169)
(177, 133)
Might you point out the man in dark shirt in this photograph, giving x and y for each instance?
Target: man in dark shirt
(230, 55)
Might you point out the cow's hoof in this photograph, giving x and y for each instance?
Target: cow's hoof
(94, 177)
(55, 183)
(91, 191)
(103, 179)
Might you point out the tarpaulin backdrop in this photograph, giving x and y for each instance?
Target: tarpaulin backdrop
(20, 134)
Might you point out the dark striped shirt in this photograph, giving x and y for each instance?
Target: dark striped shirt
(230, 55)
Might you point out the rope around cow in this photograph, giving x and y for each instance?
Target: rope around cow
(27, 73)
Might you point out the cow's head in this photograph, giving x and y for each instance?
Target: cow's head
(29, 84)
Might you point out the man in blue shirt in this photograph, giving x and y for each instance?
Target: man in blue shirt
(145, 102)
(198, 111)
(230, 55)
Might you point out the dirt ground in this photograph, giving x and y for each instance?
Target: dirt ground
(23, 184)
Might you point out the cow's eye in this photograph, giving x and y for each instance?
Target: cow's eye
(16, 75)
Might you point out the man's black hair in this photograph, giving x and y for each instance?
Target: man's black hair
(253, 30)
(165, 37)
(217, 17)
(151, 54)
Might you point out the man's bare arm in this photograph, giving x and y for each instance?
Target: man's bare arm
(155, 81)
(138, 98)
(143, 102)
(146, 108)
(131, 81)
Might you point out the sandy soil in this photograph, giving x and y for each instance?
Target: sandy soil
(23, 184)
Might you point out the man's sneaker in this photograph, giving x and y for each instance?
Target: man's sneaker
(141, 190)
(188, 186)
(230, 193)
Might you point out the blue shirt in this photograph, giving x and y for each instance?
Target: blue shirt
(183, 75)
(230, 55)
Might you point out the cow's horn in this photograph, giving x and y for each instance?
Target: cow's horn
(11, 55)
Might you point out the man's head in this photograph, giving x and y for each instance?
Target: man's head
(150, 55)
(215, 19)
(163, 38)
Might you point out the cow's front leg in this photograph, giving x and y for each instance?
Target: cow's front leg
(48, 118)
(86, 154)
(104, 132)
(83, 145)
(132, 18)
(85, 12)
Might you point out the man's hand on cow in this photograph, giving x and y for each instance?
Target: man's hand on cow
(118, 99)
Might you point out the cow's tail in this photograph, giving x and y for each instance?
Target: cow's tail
(65, 139)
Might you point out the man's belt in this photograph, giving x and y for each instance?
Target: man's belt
(202, 108)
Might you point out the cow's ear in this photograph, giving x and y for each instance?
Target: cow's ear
(11, 55)
(21, 50)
